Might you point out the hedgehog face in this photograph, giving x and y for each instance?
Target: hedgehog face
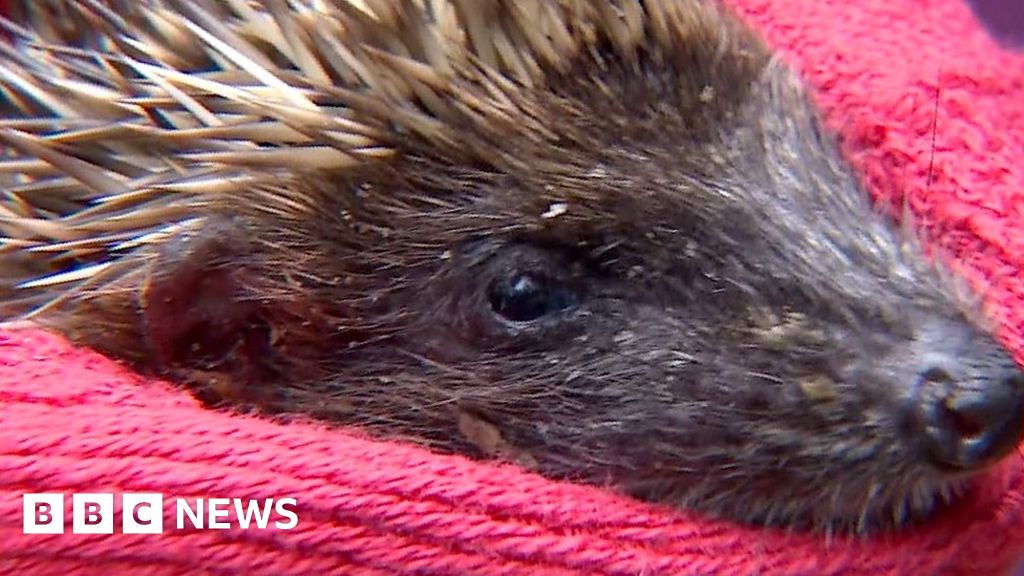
(642, 265)
(700, 310)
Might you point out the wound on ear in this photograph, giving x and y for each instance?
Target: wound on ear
(200, 321)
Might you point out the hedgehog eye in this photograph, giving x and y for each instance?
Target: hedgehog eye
(527, 296)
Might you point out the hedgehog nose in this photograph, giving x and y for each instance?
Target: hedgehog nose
(967, 425)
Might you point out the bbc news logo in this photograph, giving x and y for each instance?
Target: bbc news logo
(144, 513)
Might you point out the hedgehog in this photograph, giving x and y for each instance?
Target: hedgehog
(611, 241)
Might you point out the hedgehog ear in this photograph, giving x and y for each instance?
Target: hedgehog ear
(199, 322)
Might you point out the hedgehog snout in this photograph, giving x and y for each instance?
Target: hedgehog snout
(966, 407)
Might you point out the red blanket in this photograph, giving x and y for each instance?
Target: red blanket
(73, 422)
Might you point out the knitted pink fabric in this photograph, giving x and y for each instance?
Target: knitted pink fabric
(72, 421)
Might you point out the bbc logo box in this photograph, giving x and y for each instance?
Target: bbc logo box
(43, 514)
(92, 513)
(143, 513)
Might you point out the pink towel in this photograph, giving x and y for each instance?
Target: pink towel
(72, 421)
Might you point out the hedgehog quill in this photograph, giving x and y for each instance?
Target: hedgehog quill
(609, 240)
